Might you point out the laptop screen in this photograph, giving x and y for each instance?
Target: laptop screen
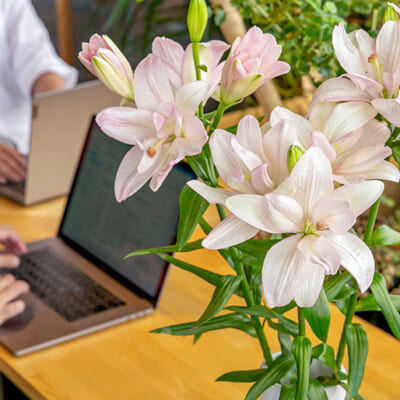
(105, 231)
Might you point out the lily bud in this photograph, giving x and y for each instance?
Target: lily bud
(197, 19)
(390, 15)
(294, 154)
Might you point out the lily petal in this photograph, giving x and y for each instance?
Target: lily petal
(389, 108)
(212, 195)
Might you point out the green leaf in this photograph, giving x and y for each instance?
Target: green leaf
(319, 316)
(257, 248)
(346, 388)
(287, 392)
(256, 311)
(210, 277)
(274, 373)
(285, 342)
(302, 349)
(192, 207)
(167, 249)
(223, 292)
(203, 166)
(285, 325)
(380, 292)
(234, 321)
(316, 391)
(369, 303)
(334, 284)
(325, 354)
(242, 376)
(385, 236)
(219, 17)
(357, 344)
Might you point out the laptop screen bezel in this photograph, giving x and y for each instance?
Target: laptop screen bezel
(92, 257)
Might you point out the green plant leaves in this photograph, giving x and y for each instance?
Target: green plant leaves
(316, 391)
(325, 354)
(385, 236)
(369, 303)
(302, 349)
(334, 284)
(319, 316)
(192, 207)
(273, 374)
(203, 166)
(379, 291)
(357, 344)
(242, 376)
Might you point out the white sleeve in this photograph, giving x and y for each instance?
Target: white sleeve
(30, 49)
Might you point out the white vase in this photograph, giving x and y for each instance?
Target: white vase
(317, 369)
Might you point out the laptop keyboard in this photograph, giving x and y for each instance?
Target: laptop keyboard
(62, 286)
(18, 187)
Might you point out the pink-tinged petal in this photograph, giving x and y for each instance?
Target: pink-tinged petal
(283, 272)
(391, 80)
(261, 181)
(86, 61)
(347, 117)
(248, 158)
(126, 124)
(164, 167)
(351, 54)
(271, 213)
(172, 54)
(336, 213)
(249, 135)
(189, 96)
(365, 84)
(276, 69)
(355, 256)
(151, 85)
(361, 195)
(320, 251)
(319, 115)
(302, 127)
(311, 179)
(128, 181)
(388, 46)
(229, 232)
(319, 140)
(338, 89)
(212, 195)
(243, 87)
(222, 154)
(389, 108)
(373, 134)
(384, 170)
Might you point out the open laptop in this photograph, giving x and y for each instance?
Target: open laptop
(95, 234)
(60, 120)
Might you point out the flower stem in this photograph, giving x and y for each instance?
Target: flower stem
(220, 112)
(349, 316)
(301, 321)
(196, 60)
(371, 222)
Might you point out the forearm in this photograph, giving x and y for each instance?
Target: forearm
(47, 81)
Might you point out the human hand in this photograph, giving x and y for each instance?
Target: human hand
(12, 164)
(10, 288)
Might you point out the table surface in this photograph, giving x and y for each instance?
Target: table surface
(128, 362)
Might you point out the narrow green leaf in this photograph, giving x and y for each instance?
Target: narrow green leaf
(369, 303)
(285, 325)
(302, 349)
(346, 388)
(319, 316)
(234, 321)
(223, 292)
(192, 207)
(385, 236)
(287, 392)
(380, 292)
(334, 284)
(203, 166)
(208, 276)
(257, 248)
(325, 354)
(283, 309)
(316, 391)
(256, 311)
(357, 344)
(242, 376)
(196, 245)
(274, 373)
(345, 292)
(286, 342)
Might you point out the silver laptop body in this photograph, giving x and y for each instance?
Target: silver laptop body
(95, 234)
(60, 120)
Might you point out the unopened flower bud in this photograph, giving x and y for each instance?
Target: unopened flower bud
(390, 15)
(294, 154)
(197, 19)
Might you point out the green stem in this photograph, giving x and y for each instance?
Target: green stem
(373, 212)
(301, 321)
(220, 112)
(196, 60)
(349, 317)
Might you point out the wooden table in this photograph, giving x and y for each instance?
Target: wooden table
(129, 363)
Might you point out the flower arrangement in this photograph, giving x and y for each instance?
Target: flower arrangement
(288, 192)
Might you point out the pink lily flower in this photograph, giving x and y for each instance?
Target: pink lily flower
(104, 59)
(252, 61)
(350, 137)
(319, 218)
(179, 63)
(163, 129)
(252, 161)
(373, 70)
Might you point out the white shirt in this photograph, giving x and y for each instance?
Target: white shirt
(26, 53)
